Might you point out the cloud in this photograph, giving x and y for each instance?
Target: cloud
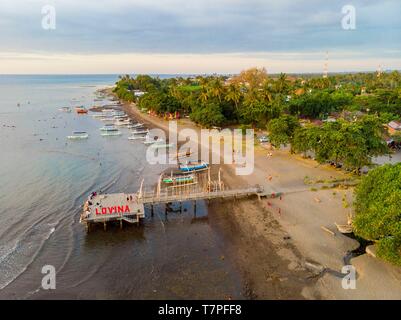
(206, 27)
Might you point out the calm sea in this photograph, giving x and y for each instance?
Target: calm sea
(43, 181)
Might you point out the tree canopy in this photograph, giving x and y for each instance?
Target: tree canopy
(377, 210)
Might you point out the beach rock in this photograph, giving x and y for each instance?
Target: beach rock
(371, 250)
(314, 267)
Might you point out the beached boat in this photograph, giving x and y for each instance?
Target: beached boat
(111, 133)
(179, 179)
(193, 166)
(81, 110)
(77, 135)
(65, 109)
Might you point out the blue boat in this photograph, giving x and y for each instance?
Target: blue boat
(191, 167)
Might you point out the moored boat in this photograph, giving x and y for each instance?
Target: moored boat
(81, 110)
(65, 109)
(161, 145)
(111, 133)
(179, 179)
(108, 128)
(122, 122)
(150, 141)
(136, 137)
(193, 166)
(140, 131)
(77, 135)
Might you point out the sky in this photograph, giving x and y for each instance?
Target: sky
(203, 36)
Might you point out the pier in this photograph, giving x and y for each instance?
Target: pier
(120, 207)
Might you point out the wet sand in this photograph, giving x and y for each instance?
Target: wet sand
(289, 247)
(271, 266)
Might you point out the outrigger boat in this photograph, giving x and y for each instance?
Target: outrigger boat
(111, 133)
(139, 137)
(135, 126)
(65, 109)
(152, 141)
(193, 166)
(161, 145)
(107, 119)
(179, 179)
(97, 115)
(108, 128)
(140, 131)
(76, 135)
(122, 122)
(81, 110)
(122, 117)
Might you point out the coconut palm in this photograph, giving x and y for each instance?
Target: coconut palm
(234, 94)
(215, 88)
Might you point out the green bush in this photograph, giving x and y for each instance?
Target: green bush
(377, 210)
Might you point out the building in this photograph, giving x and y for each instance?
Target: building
(394, 127)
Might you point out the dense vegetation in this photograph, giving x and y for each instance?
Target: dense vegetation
(254, 98)
(339, 119)
(361, 103)
(378, 215)
(349, 143)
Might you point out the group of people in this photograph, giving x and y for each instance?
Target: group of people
(88, 204)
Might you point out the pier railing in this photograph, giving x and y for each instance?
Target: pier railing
(164, 197)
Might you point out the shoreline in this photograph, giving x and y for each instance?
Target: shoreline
(265, 276)
(298, 230)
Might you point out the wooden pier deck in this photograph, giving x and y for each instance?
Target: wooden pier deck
(131, 207)
(112, 207)
(152, 198)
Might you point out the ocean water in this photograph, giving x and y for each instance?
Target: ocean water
(44, 180)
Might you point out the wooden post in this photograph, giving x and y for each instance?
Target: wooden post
(121, 223)
(195, 208)
(180, 206)
(159, 185)
(151, 210)
(141, 190)
(220, 179)
(104, 225)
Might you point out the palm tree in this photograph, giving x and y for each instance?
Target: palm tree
(281, 84)
(216, 88)
(204, 95)
(266, 92)
(234, 95)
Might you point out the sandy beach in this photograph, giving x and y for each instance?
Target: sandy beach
(289, 247)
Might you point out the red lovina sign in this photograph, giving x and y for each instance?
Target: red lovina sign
(113, 210)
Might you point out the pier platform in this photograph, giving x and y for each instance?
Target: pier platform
(112, 207)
